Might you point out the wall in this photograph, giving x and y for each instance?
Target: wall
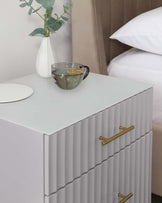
(17, 50)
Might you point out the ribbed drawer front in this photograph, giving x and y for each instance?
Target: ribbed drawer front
(73, 151)
(129, 171)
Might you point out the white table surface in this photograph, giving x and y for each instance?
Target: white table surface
(51, 109)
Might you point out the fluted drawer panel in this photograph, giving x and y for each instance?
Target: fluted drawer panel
(127, 172)
(76, 149)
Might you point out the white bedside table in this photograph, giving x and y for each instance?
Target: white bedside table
(51, 144)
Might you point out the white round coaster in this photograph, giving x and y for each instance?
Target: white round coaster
(11, 92)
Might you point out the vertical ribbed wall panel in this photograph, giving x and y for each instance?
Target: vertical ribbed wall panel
(76, 149)
(91, 186)
(132, 171)
(61, 161)
(147, 169)
(118, 174)
(150, 168)
(142, 167)
(84, 145)
(69, 155)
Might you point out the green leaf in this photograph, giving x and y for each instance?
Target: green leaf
(39, 1)
(22, 5)
(30, 11)
(21, 0)
(53, 25)
(65, 18)
(47, 4)
(67, 6)
(37, 9)
(30, 2)
(38, 32)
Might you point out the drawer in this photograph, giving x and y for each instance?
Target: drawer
(76, 149)
(126, 175)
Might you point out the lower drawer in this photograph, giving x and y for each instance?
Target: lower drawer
(126, 175)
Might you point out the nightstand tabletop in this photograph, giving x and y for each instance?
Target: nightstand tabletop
(51, 109)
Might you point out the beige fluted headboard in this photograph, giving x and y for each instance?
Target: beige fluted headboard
(93, 21)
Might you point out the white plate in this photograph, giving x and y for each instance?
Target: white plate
(11, 92)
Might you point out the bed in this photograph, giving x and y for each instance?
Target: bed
(141, 66)
(146, 67)
(92, 46)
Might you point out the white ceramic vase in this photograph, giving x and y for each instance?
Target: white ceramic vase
(44, 58)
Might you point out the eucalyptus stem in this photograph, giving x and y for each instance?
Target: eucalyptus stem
(45, 27)
(57, 20)
(34, 10)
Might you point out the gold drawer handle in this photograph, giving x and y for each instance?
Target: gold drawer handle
(125, 198)
(107, 140)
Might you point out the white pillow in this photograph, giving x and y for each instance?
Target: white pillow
(143, 32)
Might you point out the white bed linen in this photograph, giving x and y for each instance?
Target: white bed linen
(141, 66)
(143, 32)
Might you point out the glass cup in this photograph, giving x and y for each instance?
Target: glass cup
(69, 75)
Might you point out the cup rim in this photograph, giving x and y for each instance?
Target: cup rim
(54, 68)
